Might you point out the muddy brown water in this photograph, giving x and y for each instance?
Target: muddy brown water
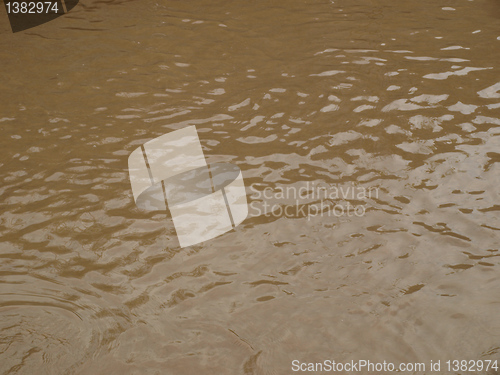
(402, 97)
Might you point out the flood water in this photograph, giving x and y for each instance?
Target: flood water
(401, 97)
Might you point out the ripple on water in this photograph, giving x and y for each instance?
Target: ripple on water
(50, 328)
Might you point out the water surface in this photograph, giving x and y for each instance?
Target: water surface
(399, 96)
